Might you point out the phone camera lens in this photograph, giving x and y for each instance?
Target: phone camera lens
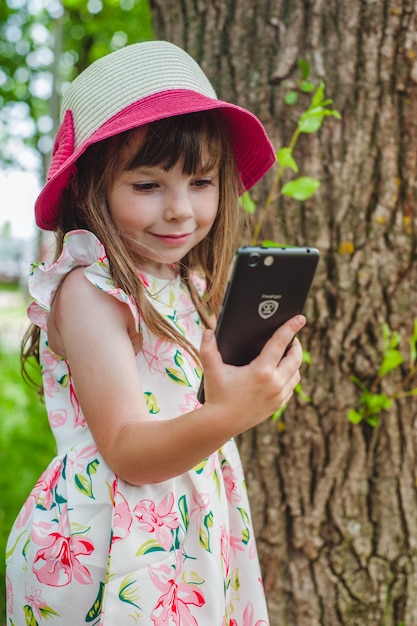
(253, 259)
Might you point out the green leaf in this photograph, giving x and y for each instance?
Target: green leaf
(310, 122)
(301, 188)
(376, 402)
(358, 382)
(392, 359)
(246, 203)
(354, 417)
(318, 96)
(307, 357)
(372, 420)
(307, 86)
(277, 415)
(299, 390)
(304, 67)
(291, 98)
(285, 158)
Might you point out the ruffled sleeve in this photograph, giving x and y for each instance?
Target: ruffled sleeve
(80, 249)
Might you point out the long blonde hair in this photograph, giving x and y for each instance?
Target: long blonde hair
(201, 142)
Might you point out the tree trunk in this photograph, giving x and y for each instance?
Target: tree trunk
(334, 504)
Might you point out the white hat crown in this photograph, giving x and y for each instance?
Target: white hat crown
(130, 74)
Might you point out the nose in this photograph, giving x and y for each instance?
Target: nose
(179, 206)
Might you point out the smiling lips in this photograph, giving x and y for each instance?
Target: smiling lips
(172, 239)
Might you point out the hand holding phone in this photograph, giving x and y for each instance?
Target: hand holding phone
(267, 287)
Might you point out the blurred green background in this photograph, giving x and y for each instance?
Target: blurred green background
(26, 443)
(43, 46)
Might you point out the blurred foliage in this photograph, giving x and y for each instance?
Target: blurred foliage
(26, 447)
(44, 44)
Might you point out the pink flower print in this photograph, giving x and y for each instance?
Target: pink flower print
(249, 617)
(236, 543)
(34, 599)
(232, 492)
(198, 513)
(79, 419)
(225, 551)
(122, 518)
(49, 384)
(159, 356)
(173, 605)
(144, 280)
(42, 493)
(56, 563)
(9, 594)
(37, 315)
(160, 519)
(51, 360)
(76, 462)
(191, 403)
(57, 418)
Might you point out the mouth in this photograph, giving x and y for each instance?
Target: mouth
(173, 239)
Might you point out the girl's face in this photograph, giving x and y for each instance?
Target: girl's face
(162, 214)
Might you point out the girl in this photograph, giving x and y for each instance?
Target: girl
(142, 517)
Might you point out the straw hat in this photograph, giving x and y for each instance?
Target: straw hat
(133, 86)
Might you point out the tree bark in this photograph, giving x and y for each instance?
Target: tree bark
(334, 504)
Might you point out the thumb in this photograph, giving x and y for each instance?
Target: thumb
(210, 356)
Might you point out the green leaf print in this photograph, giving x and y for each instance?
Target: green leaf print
(12, 549)
(200, 467)
(84, 485)
(46, 611)
(179, 359)
(64, 380)
(234, 579)
(151, 403)
(246, 530)
(92, 467)
(182, 505)
(95, 610)
(149, 546)
(205, 532)
(177, 376)
(29, 616)
(128, 593)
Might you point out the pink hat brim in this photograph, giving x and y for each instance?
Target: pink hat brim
(251, 146)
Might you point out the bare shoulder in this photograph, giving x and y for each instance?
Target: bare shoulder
(80, 308)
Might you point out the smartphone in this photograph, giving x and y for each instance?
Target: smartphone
(267, 286)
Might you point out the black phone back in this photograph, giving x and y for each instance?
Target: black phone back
(267, 287)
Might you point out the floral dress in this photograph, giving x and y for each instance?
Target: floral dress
(89, 548)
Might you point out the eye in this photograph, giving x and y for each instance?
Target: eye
(201, 183)
(144, 187)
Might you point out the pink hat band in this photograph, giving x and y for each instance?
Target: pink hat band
(183, 88)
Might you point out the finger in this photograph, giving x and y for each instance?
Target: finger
(277, 345)
(210, 356)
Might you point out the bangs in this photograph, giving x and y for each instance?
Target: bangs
(199, 140)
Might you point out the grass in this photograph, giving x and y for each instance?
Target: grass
(26, 443)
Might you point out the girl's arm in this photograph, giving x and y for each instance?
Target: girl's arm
(93, 332)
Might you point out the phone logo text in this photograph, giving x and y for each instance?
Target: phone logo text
(267, 308)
